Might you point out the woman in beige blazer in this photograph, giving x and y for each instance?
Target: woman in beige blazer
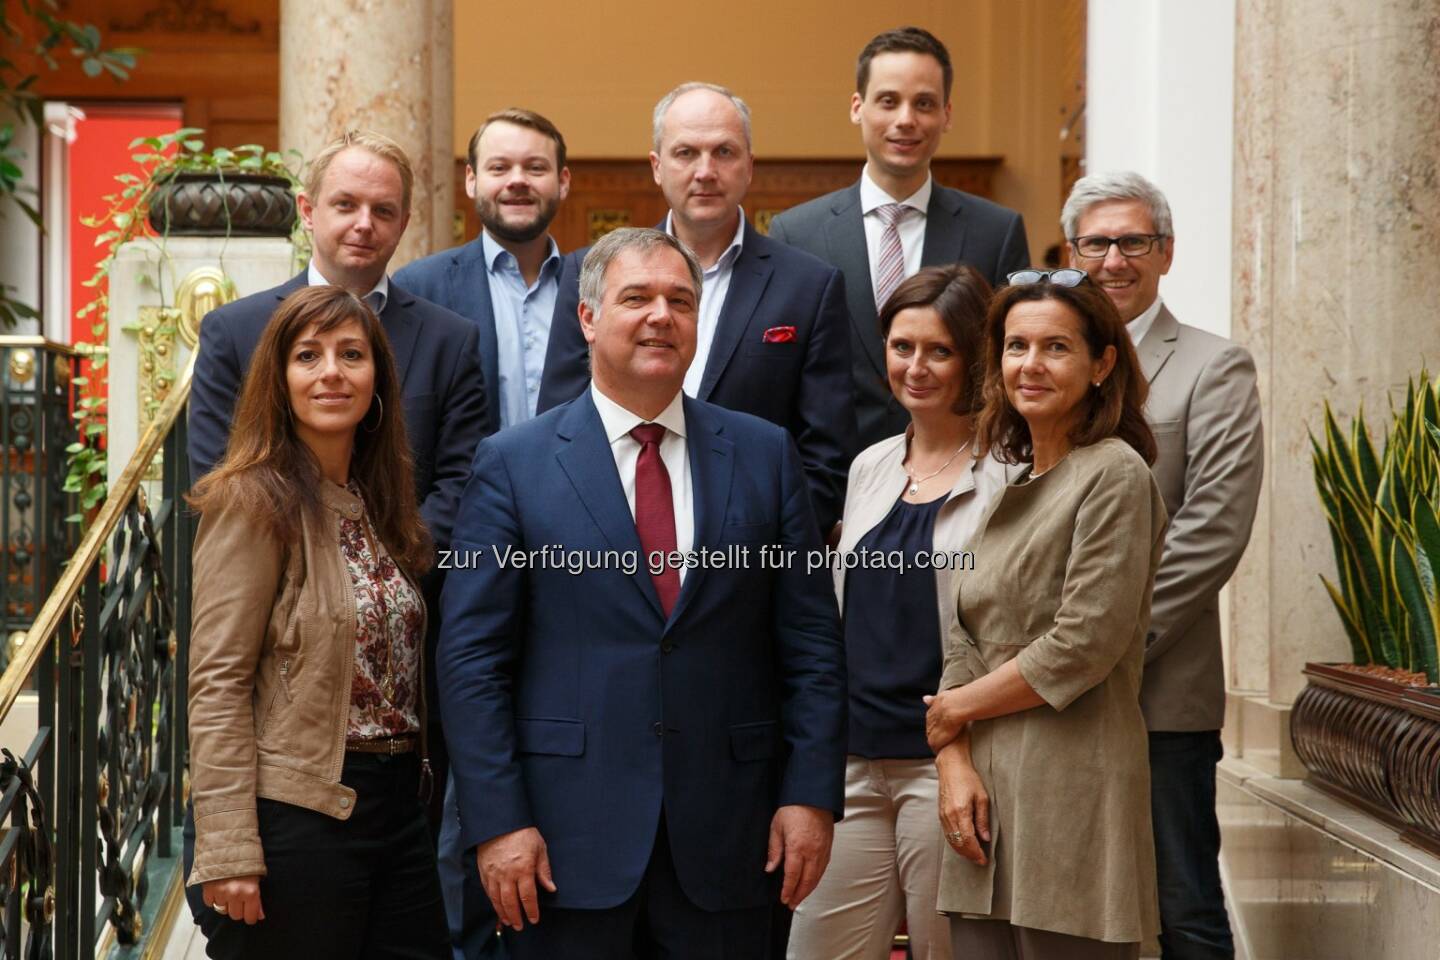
(1040, 742)
(924, 491)
(307, 837)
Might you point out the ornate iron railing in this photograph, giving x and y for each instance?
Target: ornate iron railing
(35, 428)
(96, 801)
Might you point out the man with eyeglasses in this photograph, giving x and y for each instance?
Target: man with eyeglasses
(1205, 411)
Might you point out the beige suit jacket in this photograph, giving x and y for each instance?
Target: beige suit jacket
(1205, 411)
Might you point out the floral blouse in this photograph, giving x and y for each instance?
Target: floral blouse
(389, 638)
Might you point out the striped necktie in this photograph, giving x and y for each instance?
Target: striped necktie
(890, 269)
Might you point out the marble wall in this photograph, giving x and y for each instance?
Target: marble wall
(1311, 877)
(1337, 229)
(385, 65)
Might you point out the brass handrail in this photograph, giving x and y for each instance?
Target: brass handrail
(57, 605)
(42, 343)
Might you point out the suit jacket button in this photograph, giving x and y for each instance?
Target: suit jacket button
(658, 728)
(666, 647)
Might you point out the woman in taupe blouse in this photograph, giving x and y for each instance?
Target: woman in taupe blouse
(1041, 746)
(307, 836)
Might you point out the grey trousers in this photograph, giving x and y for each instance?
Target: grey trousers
(1001, 940)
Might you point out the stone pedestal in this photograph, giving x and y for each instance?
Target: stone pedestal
(149, 345)
(1337, 223)
(384, 66)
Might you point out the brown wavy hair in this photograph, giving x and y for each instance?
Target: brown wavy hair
(268, 471)
(959, 295)
(1115, 409)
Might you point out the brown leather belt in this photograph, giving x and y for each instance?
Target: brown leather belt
(386, 745)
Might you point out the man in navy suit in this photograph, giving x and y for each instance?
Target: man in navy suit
(896, 219)
(772, 329)
(356, 203)
(506, 280)
(653, 752)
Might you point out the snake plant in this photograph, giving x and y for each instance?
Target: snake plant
(1383, 511)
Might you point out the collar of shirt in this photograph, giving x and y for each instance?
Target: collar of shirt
(377, 297)
(731, 252)
(619, 422)
(497, 258)
(872, 196)
(1141, 325)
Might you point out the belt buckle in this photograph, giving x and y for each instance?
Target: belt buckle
(394, 745)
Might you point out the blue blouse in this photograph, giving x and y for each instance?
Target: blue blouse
(892, 637)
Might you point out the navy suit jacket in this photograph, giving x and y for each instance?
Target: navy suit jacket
(573, 705)
(803, 385)
(959, 228)
(459, 280)
(440, 383)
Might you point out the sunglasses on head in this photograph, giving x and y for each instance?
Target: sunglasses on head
(1065, 277)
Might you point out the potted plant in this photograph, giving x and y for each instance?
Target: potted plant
(250, 193)
(1370, 729)
(244, 192)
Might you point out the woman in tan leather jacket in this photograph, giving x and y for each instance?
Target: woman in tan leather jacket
(307, 835)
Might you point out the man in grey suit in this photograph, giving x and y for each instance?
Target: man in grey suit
(896, 219)
(1205, 411)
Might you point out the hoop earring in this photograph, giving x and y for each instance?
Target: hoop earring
(378, 420)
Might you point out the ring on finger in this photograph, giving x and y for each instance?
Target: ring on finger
(221, 909)
(956, 837)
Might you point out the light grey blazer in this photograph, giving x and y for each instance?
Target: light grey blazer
(1205, 411)
(877, 478)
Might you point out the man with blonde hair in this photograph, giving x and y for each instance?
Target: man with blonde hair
(356, 204)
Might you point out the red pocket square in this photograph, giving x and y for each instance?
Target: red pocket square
(779, 335)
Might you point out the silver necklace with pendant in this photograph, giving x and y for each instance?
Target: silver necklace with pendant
(915, 481)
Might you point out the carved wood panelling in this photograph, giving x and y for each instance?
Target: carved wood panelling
(609, 193)
(220, 59)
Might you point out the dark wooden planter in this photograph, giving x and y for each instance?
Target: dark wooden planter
(241, 205)
(1374, 742)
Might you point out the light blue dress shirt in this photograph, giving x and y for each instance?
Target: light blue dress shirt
(522, 326)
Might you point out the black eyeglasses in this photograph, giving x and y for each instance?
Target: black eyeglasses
(1065, 277)
(1097, 246)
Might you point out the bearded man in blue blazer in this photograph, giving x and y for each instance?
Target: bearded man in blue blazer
(507, 279)
(772, 335)
(642, 649)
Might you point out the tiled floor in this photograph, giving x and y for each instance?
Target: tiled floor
(186, 941)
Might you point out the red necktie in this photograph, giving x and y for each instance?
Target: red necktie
(655, 511)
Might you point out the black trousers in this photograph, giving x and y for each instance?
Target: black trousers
(658, 923)
(1193, 922)
(365, 887)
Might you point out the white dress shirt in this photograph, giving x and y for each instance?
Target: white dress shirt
(618, 423)
(1141, 325)
(911, 228)
(715, 281)
(377, 297)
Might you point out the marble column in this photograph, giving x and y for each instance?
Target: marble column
(385, 65)
(1337, 227)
